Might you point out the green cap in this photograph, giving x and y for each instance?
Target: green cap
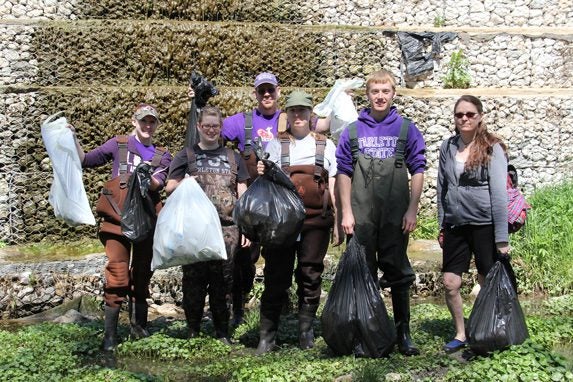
(299, 98)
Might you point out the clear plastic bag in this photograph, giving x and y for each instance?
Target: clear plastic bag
(67, 194)
(271, 211)
(339, 105)
(188, 229)
(496, 320)
(355, 319)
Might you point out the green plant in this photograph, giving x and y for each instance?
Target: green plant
(439, 21)
(457, 75)
(542, 249)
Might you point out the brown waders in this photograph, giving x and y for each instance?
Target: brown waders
(380, 198)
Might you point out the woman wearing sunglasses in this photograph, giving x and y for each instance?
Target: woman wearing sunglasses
(472, 205)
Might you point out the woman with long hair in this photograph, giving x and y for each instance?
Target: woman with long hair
(472, 204)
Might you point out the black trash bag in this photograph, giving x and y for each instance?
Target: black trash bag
(414, 53)
(203, 91)
(496, 320)
(354, 319)
(138, 216)
(271, 211)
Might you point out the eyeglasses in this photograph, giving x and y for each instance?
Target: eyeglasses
(211, 127)
(469, 114)
(263, 90)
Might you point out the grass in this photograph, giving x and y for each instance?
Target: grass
(52, 251)
(543, 249)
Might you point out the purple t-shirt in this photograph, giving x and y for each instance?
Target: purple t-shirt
(379, 139)
(136, 153)
(264, 126)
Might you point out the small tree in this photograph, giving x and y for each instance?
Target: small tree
(457, 76)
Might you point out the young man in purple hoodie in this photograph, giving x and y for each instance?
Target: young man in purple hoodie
(376, 202)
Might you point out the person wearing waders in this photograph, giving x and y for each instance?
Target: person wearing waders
(128, 267)
(260, 124)
(223, 176)
(308, 158)
(376, 203)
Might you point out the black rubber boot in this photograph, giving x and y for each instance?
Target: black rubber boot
(110, 341)
(221, 325)
(401, 306)
(306, 314)
(138, 320)
(268, 331)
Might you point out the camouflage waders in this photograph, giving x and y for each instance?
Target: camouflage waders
(213, 277)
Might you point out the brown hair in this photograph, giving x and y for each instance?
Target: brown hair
(481, 151)
(211, 111)
(381, 76)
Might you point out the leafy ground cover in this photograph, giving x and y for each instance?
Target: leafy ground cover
(70, 352)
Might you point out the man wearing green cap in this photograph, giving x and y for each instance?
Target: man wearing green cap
(309, 159)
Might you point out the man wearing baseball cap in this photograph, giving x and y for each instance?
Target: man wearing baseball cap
(244, 129)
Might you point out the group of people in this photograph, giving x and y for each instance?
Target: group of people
(367, 186)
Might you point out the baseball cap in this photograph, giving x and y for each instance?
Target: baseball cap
(298, 98)
(266, 78)
(144, 110)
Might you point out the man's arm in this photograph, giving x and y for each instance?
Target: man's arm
(172, 185)
(343, 189)
(410, 217)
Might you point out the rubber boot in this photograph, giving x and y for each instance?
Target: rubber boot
(221, 325)
(238, 309)
(138, 320)
(268, 331)
(401, 306)
(306, 314)
(111, 315)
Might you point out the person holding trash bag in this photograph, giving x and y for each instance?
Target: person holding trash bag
(223, 175)
(472, 204)
(261, 124)
(309, 159)
(376, 204)
(128, 268)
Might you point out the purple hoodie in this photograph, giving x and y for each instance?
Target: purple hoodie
(264, 126)
(378, 139)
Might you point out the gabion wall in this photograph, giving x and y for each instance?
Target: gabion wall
(95, 60)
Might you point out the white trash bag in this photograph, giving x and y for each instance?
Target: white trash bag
(339, 106)
(188, 229)
(67, 195)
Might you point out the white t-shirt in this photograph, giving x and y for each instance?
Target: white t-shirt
(303, 151)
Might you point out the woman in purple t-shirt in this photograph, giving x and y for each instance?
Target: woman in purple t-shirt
(124, 277)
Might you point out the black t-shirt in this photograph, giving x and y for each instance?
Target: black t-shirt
(209, 161)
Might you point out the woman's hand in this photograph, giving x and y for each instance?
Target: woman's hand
(503, 248)
(260, 167)
(441, 238)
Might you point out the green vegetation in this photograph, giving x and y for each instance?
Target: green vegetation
(52, 352)
(52, 251)
(439, 21)
(457, 76)
(543, 248)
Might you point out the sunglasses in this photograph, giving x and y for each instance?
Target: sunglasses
(264, 90)
(470, 115)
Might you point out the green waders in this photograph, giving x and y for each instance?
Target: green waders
(380, 198)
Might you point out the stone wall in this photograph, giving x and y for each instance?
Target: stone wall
(425, 13)
(95, 59)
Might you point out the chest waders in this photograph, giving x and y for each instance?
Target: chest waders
(214, 277)
(380, 197)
